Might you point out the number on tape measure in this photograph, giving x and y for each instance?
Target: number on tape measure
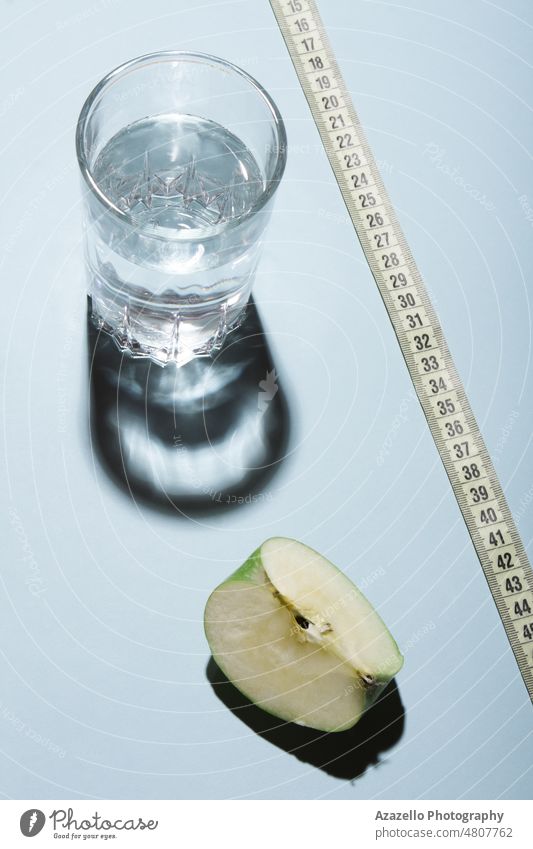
(437, 384)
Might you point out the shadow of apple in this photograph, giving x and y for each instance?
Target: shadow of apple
(346, 754)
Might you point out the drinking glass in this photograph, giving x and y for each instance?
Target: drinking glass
(181, 155)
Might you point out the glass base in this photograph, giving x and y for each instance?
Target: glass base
(165, 337)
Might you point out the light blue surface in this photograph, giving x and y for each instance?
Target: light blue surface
(103, 689)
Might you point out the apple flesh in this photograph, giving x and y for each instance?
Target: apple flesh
(297, 637)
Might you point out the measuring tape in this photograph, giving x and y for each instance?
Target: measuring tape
(437, 384)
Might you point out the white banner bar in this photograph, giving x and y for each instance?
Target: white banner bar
(264, 824)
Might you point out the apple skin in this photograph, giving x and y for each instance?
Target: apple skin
(365, 688)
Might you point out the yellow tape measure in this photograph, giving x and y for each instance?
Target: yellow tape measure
(437, 384)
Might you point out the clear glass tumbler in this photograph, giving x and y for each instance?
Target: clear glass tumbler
(181, 154)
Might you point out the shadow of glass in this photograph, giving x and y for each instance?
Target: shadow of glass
(196, 439)
(345, 754)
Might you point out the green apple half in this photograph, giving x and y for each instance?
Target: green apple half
(298, 638)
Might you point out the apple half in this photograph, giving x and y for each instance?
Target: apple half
(298, 638)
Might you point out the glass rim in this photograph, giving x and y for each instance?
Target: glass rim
(179, 55)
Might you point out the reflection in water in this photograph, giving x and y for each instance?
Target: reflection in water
(197, 437)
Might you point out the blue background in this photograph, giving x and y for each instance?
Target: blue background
(103, 688)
